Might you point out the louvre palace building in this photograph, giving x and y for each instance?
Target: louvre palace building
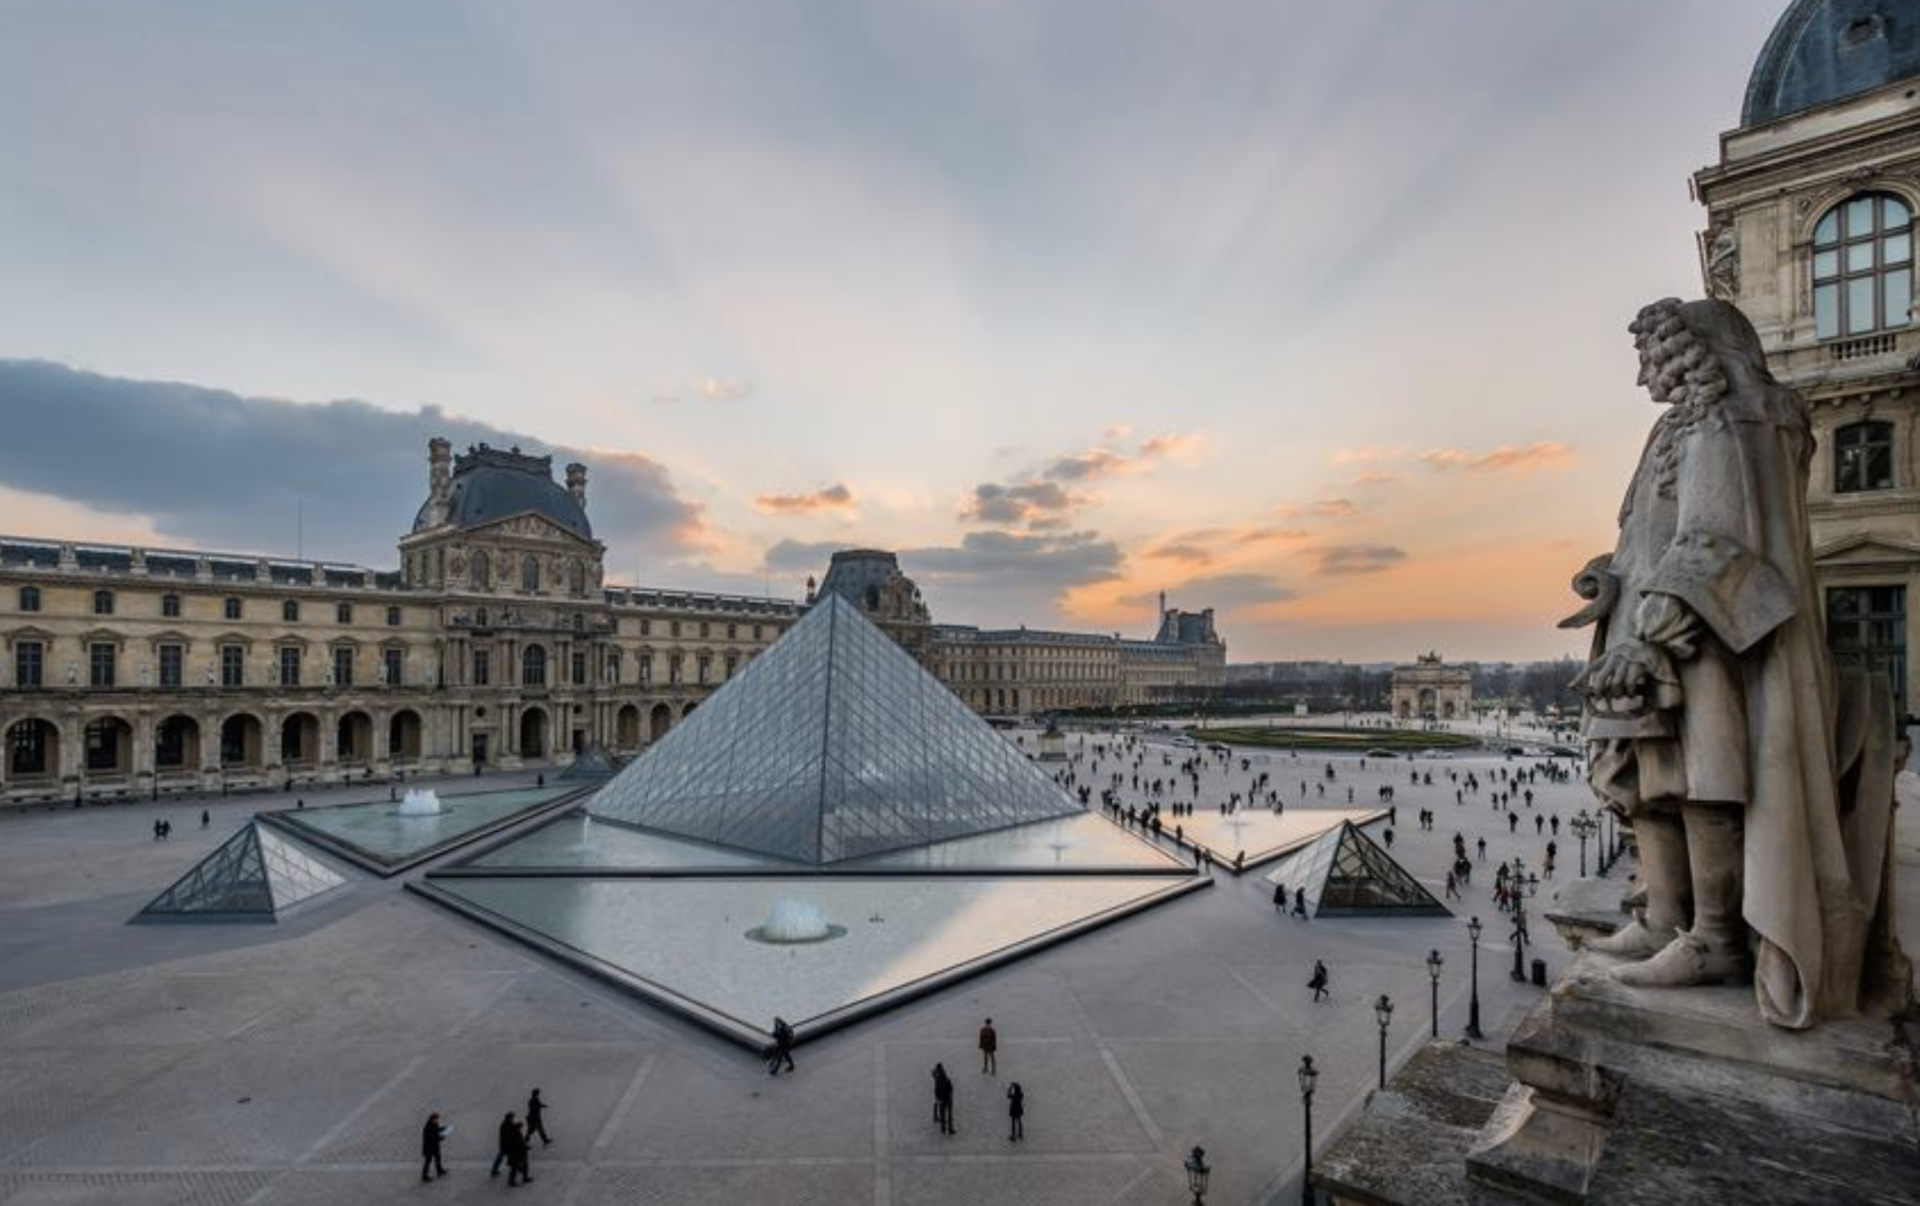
(494, 645)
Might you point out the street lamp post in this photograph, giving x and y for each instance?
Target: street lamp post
(1473, 1002)
(1524, 885)
(1583, 828)
(1308, 1074)
(1383, 1013)
(1434, 962)
(1197, 1174)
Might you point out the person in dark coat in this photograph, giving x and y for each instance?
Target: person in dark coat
(1280, 898)
(519, 1159)
(537, 1120)
(989, 1046)
(782, 1052)
(942, 1099)
(509, 1138)
(1016, 1112)
(1318, 983)
(431, 1136)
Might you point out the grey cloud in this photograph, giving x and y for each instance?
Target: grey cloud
(1357, 558)
(801, 556)
(1029, 502)
(1010, 559)
(222, 471)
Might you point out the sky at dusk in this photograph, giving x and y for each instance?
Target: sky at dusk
(1310, 313)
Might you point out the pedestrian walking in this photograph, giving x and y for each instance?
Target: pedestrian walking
(432, 1136)
(942, 1099)
(206, 819)
(1279, 898)
(537, 1120)
(1300, 903)
(989, 1046)
(508, 1139)
(1016, 1113)
(519, 1159)
(782, 1047)
(1318, 982)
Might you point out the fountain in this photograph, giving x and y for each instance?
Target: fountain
(795, 921)
(421, 802)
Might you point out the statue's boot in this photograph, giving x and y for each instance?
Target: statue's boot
(1714, 950)
(1663, 875)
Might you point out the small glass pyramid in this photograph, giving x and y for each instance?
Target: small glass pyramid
(831, 745)
(1343, 872)
(254, 873)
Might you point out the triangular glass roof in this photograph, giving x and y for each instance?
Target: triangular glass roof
(1345, 872)
(255, 872)
(833, 744)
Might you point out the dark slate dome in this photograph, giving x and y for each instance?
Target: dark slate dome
(490, 485)
(1827, 50)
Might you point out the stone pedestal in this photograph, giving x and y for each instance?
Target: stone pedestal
(1625, 1096)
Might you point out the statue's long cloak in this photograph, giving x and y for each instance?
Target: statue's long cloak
(1716, 517)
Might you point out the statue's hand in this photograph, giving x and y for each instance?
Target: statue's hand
(1622, 672)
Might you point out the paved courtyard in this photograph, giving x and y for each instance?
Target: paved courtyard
(295, 1063)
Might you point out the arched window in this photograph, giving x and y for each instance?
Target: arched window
(530, 574)
(29, 598)
(533, 666)
(1863, 267)
(1863, 457)
(290, 611)
(482, 572)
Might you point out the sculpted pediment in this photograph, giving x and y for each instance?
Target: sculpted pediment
(528, 526)
(1866, 549)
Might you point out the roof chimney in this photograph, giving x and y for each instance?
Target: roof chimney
(439, 480)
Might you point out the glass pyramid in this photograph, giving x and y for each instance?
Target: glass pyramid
(833, 744)
(1343, 872)
(254, 873)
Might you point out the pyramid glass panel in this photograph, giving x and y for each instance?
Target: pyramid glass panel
(252, 873)
(833, 744)
(1346, 872)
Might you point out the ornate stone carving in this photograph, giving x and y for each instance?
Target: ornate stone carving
(1759, 783)
(1721, 251)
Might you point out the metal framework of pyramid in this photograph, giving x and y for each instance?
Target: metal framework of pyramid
(256, 873)
(831, 745)
(1343, 872)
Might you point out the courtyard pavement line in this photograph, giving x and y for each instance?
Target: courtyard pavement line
(339, 1128)
(618, 1118)
(882, 1168)
(1134, 1103)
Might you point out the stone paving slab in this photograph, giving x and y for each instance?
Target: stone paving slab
(131, 1189)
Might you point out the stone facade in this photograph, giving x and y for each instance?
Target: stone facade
(1429, 689)
(1810, 232)
(129, 671)
(137, 671)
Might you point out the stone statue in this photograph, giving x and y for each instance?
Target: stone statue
(1761, 802)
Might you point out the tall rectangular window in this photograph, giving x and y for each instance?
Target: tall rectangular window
(289, 665)
(29, 664)
(1867, 626)
(673, 669)
(393, 617)
(1863, 457)
(172, 659)
(101, 658)
(646, 669)
(102, 602)
(233, 665)
(392, 659)
(579, 668)
(482, 668)
(705, 664)
(231, 608)
(343, 666)
(170, 606)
